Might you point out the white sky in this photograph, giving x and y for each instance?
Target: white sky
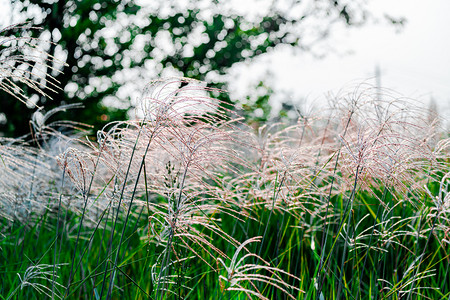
(414, 62)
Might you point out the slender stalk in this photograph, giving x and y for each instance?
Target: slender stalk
(57, 232)
(111, 283)
(85, 201)
(326, 224)
(344, 253)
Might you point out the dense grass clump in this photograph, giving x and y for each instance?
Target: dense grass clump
(189, 202)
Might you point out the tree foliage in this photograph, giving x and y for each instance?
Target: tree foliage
(113, 47)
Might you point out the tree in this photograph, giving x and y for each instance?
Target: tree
(112, 47)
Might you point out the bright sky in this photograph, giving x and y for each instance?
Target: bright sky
(414, 62)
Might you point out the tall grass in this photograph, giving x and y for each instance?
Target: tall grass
(189, 202)
(23, 61)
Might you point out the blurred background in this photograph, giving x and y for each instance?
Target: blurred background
(276, 59)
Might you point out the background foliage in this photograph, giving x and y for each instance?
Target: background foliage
(113, 47)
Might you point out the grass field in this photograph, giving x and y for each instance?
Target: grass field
(190, 202)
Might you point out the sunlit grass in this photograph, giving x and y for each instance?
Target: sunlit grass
(190, 202)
